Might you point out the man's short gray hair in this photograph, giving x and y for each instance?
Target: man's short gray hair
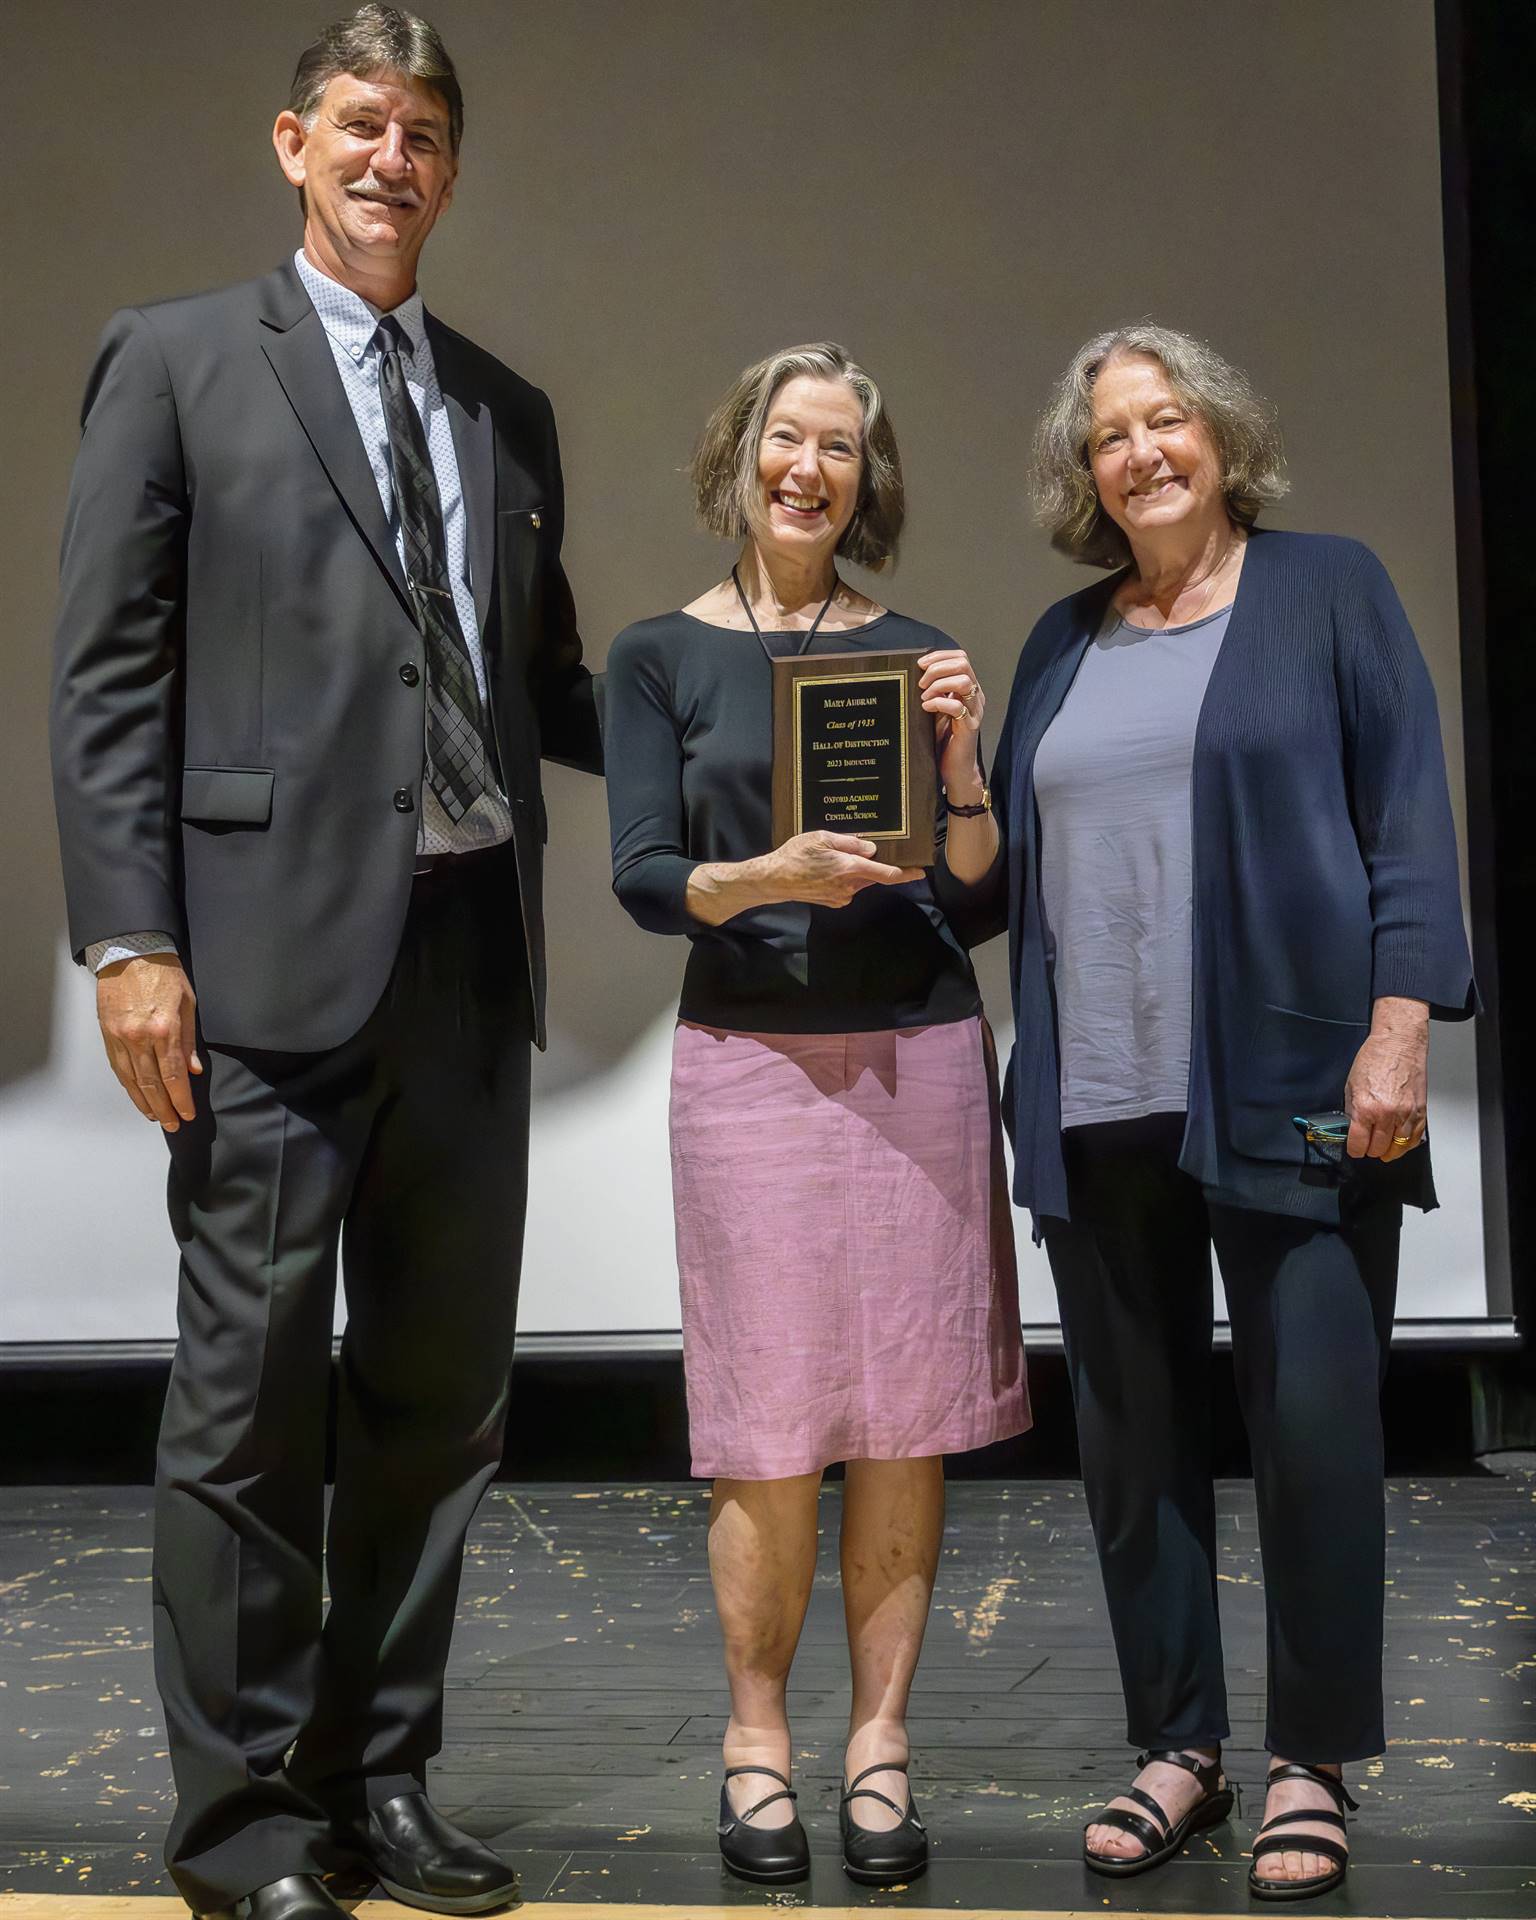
(727, 490)
(1240, 421)
(372, 41)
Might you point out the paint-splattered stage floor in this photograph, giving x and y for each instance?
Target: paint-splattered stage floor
(586, 1706)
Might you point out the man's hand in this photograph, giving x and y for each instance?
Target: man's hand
(148, 1020)
(1388, 1088)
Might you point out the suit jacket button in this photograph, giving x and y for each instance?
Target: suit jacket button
(537, 520)
(403, 800)
(409, 674)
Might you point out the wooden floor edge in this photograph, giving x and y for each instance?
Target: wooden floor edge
(125, 1906)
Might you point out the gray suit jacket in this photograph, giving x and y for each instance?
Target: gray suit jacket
(237, 735)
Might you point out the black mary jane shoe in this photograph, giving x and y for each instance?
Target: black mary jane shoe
(877, 1858)
(1161, 1839)
(1269, 1841)
(423, 1860)
(765, 1855)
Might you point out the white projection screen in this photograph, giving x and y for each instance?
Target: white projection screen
(651, 197)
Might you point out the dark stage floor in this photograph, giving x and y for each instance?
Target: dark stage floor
(586, 1705)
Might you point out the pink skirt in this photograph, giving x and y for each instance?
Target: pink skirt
(845, 1247)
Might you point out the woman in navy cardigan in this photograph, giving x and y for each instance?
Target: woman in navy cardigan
(1228, 873)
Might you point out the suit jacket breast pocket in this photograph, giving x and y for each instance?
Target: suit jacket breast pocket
(519, 534)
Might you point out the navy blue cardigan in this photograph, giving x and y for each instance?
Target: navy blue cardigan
(1324, 873)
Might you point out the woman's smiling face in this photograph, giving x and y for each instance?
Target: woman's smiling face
(1153, 461)
(810, 462)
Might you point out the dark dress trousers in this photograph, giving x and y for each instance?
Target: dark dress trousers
(1324, 878)
(238, 726)
(1310, 1307)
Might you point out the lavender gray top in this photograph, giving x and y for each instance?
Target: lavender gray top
(1112, 783)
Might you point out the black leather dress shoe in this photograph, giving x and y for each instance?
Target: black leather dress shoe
(299, 1897)
(424, 1860)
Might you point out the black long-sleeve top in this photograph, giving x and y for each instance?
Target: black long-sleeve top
(688, 744)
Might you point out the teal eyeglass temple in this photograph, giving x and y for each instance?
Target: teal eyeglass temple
(1322, 1129)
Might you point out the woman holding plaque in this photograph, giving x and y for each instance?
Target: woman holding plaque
(848, 1283)
(1229, 878)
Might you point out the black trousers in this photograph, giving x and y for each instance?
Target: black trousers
(406, 1147)
(1311, 1314)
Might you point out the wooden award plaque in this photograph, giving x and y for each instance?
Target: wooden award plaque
(853, 752)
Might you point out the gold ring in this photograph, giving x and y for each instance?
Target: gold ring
(1401, 1139)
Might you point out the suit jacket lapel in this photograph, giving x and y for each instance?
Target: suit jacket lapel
(469, 416)
(294, 342)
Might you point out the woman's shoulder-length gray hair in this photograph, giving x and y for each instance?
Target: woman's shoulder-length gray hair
(726, 488)
(1242, 424)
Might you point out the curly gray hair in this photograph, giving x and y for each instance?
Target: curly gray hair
(1240, 421)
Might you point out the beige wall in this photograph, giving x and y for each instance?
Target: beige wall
(654, 194)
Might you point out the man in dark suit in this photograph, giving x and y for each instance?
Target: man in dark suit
(314, 638)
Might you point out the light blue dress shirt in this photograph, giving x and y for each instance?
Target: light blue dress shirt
(350, 324)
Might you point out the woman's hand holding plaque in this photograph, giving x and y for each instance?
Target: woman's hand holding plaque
(827, 869)
(952, 694)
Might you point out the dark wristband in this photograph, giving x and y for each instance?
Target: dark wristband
(984, 805)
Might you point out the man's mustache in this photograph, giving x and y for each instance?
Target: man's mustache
(375, 189)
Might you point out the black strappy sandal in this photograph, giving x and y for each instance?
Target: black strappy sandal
(1162, 1841)
(763, 1854)
(877, 1858)
(1269, 1841)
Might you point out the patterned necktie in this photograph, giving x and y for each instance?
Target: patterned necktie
(458, 760)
